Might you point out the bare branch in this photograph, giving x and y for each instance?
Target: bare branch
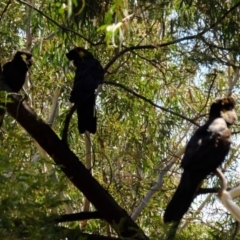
(88, 164)
(157, 186)
(54, 108)
(227, 197)
(150, 101)
(77, 217)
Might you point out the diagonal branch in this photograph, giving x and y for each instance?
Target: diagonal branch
(158, 185)
(74, 170)
(149, 101)
(76, 217)
(5, 9)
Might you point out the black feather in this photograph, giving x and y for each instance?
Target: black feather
(205, 151)
(13, 74)
(88, 75)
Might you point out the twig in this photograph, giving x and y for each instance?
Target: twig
(5, 9)
(150, 101)
(56, 23)
(128, 49)
(208, 95)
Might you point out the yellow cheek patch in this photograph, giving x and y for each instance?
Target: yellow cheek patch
(24, 57)
(81, 53)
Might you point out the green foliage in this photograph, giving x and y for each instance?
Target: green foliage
(135, 139)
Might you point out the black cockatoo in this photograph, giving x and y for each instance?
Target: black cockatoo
(88, 75)
(205, 151)
(14, 73)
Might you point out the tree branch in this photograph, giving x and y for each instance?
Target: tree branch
(77, 217)
(149, 101)
(56, 23)
(74, 169)
(158, 185)
(209, 190)
(208, 96)
(128, 49)
(5, 9)
(65, 233)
